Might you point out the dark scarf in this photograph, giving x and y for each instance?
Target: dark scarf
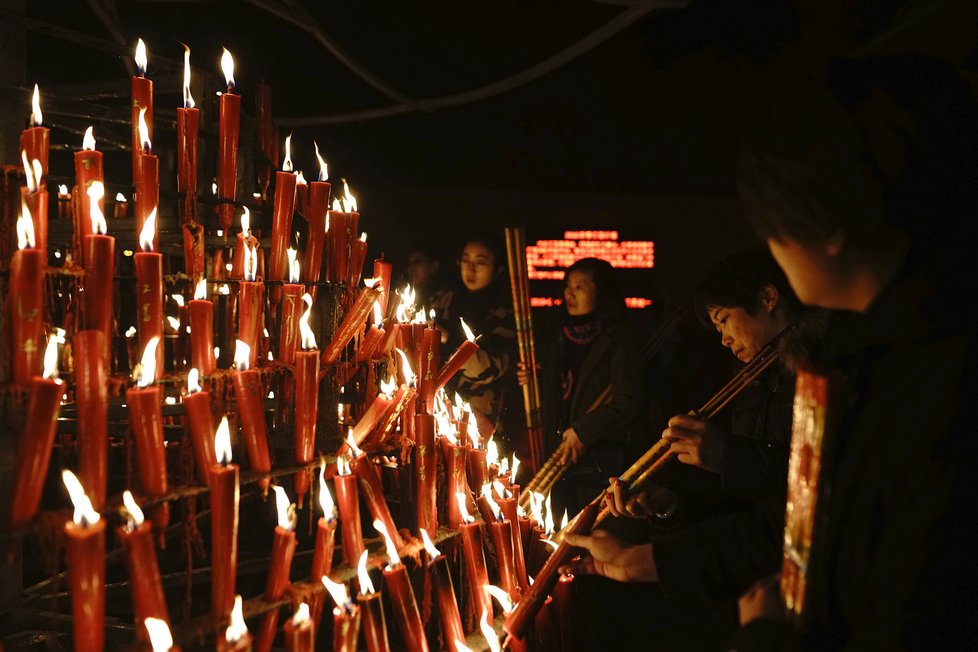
(576, 336)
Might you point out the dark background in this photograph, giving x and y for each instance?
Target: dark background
(639, 134)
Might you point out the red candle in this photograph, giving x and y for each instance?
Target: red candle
(283, 547)
(34, 140)
(404, 397)
(26, 302)
(462, 354)
(85, 557)
(475, 559)
(476, 470)
(285, 191)
(250, 306)
(357, 259)
(351, 324)
(517, 623)
(508, 508)
(501, 533)
(451, 621)
(312, 263)
(99, 256)
(373, 338)
(227, 144)
(88, 168)
(306, 398)
(347, 500)
(426, 463)
(242, 241)
(92, 400)
(142, 103)
(200, 423)
(373, 415)
(344, 221)
(455, 474)
(291, 312)
(36, 440)
(188, 118)
(428, 367)
(147, 183)
(236, 638)
(193, 249)
(144, 573)
(225, 496)
(346, 618)
(250, 399)
(36, 200)
(564, 595)
(301, 194)
(322, 554)
(383, 271)
(300, 634)
(202, 332)
(373, 493)
(372, 610)
(146, 421)
(404, 605)
(149, 292)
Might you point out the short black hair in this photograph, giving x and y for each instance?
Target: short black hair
(883, 141)
(491, 241)
(736, 282)
(610, 303)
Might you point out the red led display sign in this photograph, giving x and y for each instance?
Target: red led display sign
(546, 260)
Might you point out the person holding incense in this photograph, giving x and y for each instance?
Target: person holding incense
(591, 350)
(862, 187)
(487, 381)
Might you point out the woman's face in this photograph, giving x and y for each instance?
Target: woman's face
(745, 334)
(580, 294)
(476, 266)
(808, 269)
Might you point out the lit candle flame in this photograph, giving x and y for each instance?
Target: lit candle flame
(378, 314)
(472, 429)
(548, 521)
(536, 507)
(466, 517)
(287, 163)
(393, 559)
(85, 515)
(305, 332)
(406, 371)
(429, 547)
(160, 638)
(147, 364)
(339, 594)
(25, 228)
(487, 492)
(371, 282)
(200, 290)
(88, 141)
(406, 304)
(120, 198)
(461, 647)
(323, 168)
(37, 119)
(492, 452)
(50, 362)
(246, 222)
(144, 139)
(501, 597)
(563, 521)
(188, 99)
(301, 616)
(489, 633)
(419, 317)
(250, 262)
(293, 265)
(325, 498)
(366, 586)
(342, 465)
(28, 172)
(469, 335)
(134, 515)
(363, 236)
(516, 465)
(227, 67)
(352, 443)
(141, 58)
(503, 466)
(284, 508)
(222, 442)
(300, 179)
(242, 355)
(387, 387)
(62, 190)
(237, 629)
(193, 381)
(148, 232)
(349, 201)
(174, 322)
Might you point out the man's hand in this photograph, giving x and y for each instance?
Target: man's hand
(761, 601)
(612, 558)
(651, 500)
(572, 446)
(522, 374)
(696, 442)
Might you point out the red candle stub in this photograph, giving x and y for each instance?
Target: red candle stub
(312, 263)
(475, 560)
(92, 400)
(25, 302)
(347, 499)
(149, 292)
(322, 555)
(200, 424)
(283, 548)
(88, 169)
(144, 573)
(36, 440)
(34, 141)
(444, 592)
(373, 493)
(372, 610)
(99, 256)
(282, 223)
(466, 350)
(142, 103)
(250, 400)
(188, 118)
(346, 617)
(85, 557)
(225, 497)
(146, 421)
(426, 463)
(300, 633)
(202, 330)
(306, 397)
(227, 144)
(236, 637)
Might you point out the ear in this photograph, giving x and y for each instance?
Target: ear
(769, 297)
